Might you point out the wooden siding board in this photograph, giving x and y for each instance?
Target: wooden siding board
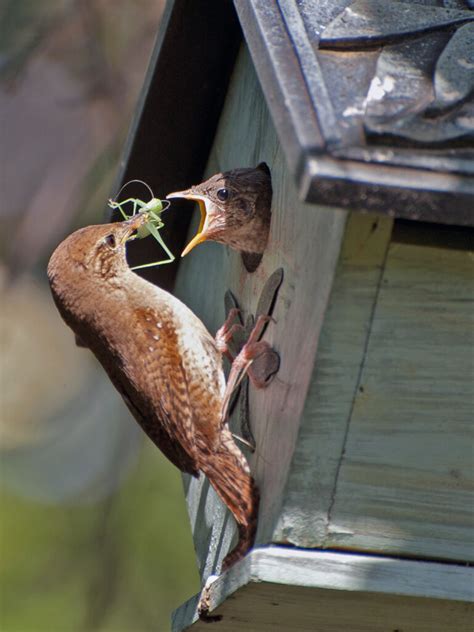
(311, 484)
(269, 608)
(305, 241)
(406, 480)
(287, 589)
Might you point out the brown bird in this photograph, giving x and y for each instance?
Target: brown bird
(235, 209)
(161, 359)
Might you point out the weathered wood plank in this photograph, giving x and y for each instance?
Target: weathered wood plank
(312, 480)
(286, 589)
(245, 137)
(406, 480)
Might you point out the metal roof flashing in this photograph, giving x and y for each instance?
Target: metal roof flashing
(373, 101)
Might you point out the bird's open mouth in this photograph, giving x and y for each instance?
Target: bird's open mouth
(201, 234)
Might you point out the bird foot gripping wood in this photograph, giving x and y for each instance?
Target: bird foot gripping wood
(242, 364)
(226, 333)
(261, 372)
(250, 356)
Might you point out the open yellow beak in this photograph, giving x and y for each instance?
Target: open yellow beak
(202, 201)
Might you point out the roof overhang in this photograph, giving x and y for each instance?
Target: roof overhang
(330, 100)
(357, 91)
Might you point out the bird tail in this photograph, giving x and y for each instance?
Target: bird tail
(229, 474)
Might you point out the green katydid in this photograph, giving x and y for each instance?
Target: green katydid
(154, 207)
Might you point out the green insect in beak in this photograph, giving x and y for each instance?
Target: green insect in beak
(153, 209)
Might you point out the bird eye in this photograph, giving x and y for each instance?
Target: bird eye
(110, 241)
(223, 194)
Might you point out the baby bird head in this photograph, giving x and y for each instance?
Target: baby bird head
(235, 208)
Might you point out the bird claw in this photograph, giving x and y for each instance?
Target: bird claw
(255, 359)
(226, 333)
(250, 352)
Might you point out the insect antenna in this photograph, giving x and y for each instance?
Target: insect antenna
(131, 182)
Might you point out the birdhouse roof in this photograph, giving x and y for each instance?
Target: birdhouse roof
(371, 100)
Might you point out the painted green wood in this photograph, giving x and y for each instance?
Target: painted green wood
(392, 391)
(375, 455)
(406, 480)
(287, 589)
(311, 484)
(305, 240)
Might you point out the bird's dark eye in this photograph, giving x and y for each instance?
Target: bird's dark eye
(223, 194)
(110, 241)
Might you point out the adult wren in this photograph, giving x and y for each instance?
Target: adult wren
(235, 210)
(161, 359)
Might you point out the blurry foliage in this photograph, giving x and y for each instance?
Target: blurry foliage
(119, 565)
(19, 40)
(70, 72)
(72, 557)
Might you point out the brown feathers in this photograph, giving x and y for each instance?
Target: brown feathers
(161, 359)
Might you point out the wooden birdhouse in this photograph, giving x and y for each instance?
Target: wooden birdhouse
(362, 111)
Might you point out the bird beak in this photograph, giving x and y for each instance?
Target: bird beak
(133, 224)
(203, 201)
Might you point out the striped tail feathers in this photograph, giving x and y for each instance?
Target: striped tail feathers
(229, 474)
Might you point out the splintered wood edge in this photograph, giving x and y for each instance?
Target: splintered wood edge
(335, 571)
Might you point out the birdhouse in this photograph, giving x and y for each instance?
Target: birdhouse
(363, 449)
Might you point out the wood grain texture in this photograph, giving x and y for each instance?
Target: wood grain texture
(286, 589)
(324, 426)
(245, 137)
(384, 459)
(406, 480)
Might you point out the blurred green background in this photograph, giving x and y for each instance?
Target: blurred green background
(94, 531)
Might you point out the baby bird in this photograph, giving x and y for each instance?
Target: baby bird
(161, 359)
(235, 209)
